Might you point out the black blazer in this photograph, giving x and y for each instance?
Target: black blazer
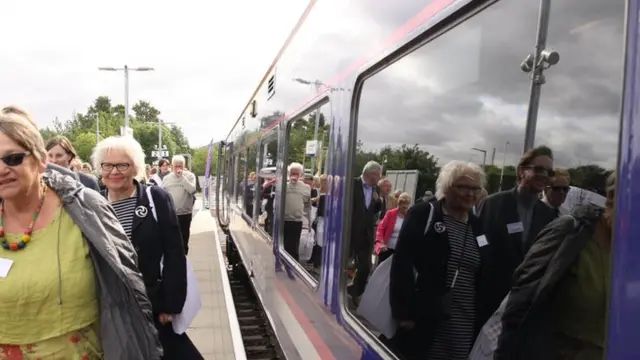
(363, 219)
(496, 211)
(167, 289)
(87, 180)
(421, 300)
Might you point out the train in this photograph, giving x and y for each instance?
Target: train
(414, 84)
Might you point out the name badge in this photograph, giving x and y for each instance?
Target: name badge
(482, 241)
(5, 266)
(514, 228)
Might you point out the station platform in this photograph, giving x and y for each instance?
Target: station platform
(215, 330)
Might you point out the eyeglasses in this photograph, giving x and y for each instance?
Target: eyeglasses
(15, 159)
(108, 167)
(541, 170)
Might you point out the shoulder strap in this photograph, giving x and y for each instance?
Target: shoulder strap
(429, 219)
(152, 205)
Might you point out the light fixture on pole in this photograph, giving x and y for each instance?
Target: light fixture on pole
(484, 160)
(126, 70)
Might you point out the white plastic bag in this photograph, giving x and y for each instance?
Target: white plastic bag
(375, 305)
(487, 340)
(320, 231)
(307, 240)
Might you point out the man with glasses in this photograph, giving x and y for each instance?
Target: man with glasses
(556, 192)
(513, 218)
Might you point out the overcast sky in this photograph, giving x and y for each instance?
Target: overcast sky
(208, 56)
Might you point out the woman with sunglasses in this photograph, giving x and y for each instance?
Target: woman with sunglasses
(69, 284)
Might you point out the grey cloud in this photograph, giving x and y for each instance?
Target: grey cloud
(580, 102)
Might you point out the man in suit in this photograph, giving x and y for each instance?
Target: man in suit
(513, 218)
(366, 204)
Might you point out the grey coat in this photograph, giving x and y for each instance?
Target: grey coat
(127, 329)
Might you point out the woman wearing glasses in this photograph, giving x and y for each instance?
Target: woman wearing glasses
(148, 217)
(69, 284)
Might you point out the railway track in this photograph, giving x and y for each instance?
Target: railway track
(259, 340)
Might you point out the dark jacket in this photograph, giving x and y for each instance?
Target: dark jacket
(124, 306)
(87, 180)
(497, 211)
(525, 323)
(421, 300)
(363, 219)
(153, 240)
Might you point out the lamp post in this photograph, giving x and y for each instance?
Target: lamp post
(317, 85)
(484, 160)
(97, 118)
(126, 70)
(504, 162)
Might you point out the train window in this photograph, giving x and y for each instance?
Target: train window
(307, 143)
(463, 96)
(266, 176)
(249, 186)
(241, 176)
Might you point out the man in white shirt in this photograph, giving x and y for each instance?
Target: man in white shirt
(181, 185)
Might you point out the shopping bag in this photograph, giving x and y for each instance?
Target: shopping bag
(487, 340)
(375, 305)
(192, 303)
(307, 240)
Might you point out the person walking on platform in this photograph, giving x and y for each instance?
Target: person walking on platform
(148, 217)
(69, 283)
(181, 185)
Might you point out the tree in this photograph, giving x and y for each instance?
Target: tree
(144, 112)
(84, 144)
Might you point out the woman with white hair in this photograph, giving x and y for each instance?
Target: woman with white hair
(70, 287)
(438, 282)
(149, 220)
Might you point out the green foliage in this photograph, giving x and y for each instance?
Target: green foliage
(81, 128)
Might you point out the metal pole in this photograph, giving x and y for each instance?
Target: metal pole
(537, 78)
(484, 161)
(126, 99)
(159, 139)
(97, 127)
(504, 162)
(315, 130)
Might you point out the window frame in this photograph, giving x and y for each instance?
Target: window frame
(445, 21)
(283, 147)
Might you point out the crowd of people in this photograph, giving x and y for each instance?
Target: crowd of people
(510, 272)
(93, 259)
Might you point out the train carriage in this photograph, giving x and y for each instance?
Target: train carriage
(435, 81)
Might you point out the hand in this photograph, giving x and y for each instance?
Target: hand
(375, 196)
(383, 248)
(179, 172)
(165, 318)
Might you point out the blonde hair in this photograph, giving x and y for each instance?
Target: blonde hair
(453, 171)
(404, 197)
(18, 126)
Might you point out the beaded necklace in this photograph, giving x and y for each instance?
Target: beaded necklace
(26, 237)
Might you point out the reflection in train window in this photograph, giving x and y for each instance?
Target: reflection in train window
(249, 184)
(266, 176)
(241, 176)
(307, 143)
(463, 96)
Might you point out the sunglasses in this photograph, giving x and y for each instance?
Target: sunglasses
(15, 159)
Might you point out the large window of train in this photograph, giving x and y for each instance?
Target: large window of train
(464, 96)
(266, 178)
(250, 181)
(241, 176)
(307, 143)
